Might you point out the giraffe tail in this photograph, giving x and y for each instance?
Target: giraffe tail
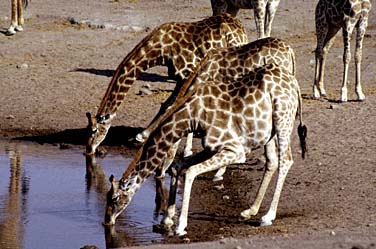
(302, 128)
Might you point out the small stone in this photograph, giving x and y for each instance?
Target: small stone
(332, 233)
(136, 28)
(23, 66)
(219, 187)
(332, 107)
(10, 117)
(226, 197)
(145, 90)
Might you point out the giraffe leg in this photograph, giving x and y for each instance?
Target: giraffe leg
(259, 8)
(347, 31)
(271, 9)
(218, 7)
(362, 26)
(14, 19)
(171, 207)
(325, 37)
(221, 159)
(20, 16)
(160, 197)
(188, 145)
(271, 166)
(285, 162)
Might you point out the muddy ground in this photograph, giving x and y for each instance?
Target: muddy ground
(59, 68)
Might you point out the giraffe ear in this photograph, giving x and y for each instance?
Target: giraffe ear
(112, 179)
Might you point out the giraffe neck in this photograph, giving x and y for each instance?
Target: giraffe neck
(152, 155)
(148, 53)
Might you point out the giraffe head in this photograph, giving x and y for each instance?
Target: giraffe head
(97, 129)
(117, 200)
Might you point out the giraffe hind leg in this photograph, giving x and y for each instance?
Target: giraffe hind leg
(271, 167)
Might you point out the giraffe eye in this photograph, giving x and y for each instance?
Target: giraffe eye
(115, 199)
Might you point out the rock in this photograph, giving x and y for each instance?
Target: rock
(219, 187)
(23, 66)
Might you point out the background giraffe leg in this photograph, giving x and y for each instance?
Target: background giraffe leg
(362, 26)
(347, 31)
(14, 19)
(271, 9)
(20, 16)
(218, 7)
(325, 38)
(259, 8)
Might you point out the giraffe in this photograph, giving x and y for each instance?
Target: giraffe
(264, 11)
(179, 46)
(231, 63)
(332, 15)
(17, 19)
(234, 117)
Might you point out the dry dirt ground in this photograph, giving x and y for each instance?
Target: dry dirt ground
(60, 66)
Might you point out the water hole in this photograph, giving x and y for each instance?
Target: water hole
(55, 198)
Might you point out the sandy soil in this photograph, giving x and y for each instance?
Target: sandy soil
(60, 66)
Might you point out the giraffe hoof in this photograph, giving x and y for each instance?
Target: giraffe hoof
(180, 233)
(188, 153)
(19, 28)
(140, 138)
(265, 223)
(10, 32)
(217, 178)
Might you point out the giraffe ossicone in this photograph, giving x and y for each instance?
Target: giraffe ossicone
(257, 110)
(331, 16)
(178, 45)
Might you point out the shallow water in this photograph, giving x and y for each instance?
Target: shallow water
(54, 198)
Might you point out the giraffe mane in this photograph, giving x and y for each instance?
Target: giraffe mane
(183, 95)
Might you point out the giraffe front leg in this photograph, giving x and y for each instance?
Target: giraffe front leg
(271, 166)
(358, 57)
(346, 58)
(20, 16)
(188, 145)
(171, 207)
(14, 19)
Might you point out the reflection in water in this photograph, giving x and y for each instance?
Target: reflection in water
(96, 180)
(69, 194)
(95, 176)
(11, 229)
